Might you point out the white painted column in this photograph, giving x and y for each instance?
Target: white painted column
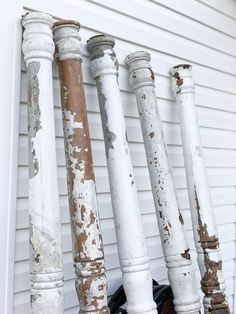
(171, 225)
(203, 219)
(132, 250)
(46, 276)
(91, 283)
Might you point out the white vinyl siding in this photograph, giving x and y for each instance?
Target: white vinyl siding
(198, 32)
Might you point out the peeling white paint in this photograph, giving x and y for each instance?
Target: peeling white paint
(132, 250)
(203, 219)
(45, 242)
(85, 224)
(83, 193)
(176, 250)
(70, 122)
(91, 283)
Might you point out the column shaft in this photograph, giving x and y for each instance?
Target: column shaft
(170, 221)
(132, 250)
(91, 284)
(203, 219)
(46, 276)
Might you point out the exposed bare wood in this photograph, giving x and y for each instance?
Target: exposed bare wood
(91, 284)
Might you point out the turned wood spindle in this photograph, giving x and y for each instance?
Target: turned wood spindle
(203, 219)
(46, 276)
(134, 262)
(91, 283)
(171, 225)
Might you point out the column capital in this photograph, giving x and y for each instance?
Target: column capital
(140, 71)
(102, 55)
(67, 40)
(182, 80)
(37, 37)
(99, 45)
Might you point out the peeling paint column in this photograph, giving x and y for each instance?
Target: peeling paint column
(203, 220)
(132, 250)
(171, 225)
(91, 284)
(46, 276)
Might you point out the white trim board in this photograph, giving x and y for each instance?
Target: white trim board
(10, 64)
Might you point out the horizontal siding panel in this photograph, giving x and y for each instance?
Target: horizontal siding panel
(196, 11)
(227, 7)
(181, 26)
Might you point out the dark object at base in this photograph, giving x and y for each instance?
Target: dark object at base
(162, 295)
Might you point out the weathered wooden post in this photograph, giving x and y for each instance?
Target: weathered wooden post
(170, 221)
(91, 284)
(46, 258)
(204, 225)
(134, 261)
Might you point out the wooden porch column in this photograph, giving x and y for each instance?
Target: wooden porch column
(203, 219)
(46, 276)
(170, 221)
(133, 256)
(91, 284)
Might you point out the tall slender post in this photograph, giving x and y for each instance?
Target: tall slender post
(170, 221)
(46, 258)
(204, 225)
(91, 284)
(134, 261)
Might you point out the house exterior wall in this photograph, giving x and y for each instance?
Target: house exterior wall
(198, 32)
